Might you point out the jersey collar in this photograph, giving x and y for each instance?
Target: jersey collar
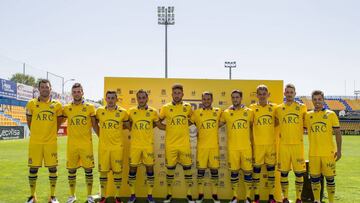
(116, 107)
(146, 107)
(233, 108)
(49, 100)
(176, 103)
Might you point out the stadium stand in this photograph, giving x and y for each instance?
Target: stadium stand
(353, 103)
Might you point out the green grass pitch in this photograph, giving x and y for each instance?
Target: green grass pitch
(14, 171)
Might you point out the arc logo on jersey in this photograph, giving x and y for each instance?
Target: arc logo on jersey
(110, 124)
(240, 124)
(318, 127)
(179, 120)
(291, 118)
(78, 120)
(264, 120)
(208, 124)
(45, 116)
(142, 125)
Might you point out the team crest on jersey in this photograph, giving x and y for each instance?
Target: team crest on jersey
(135, 113)
(201, 114)
(257, 110)
(297, 108)
(117, 115)
(283, 108)
(171, 110)
(311, 117)
(84, 109)
(325, 117)
(270, 109)
(70, 109)
(147, 114)
(37, 105)
(231, 114)
(51, 106)
(103, 113)
(214, 114)
(245, 114)
(184, 109)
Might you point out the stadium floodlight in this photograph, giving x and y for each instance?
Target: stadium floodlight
(64, 82)
(166, 17)
(230, 65)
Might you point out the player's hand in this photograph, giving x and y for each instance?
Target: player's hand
(337, 156)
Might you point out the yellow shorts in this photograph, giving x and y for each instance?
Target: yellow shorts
(178, 154)
(40, 152)
(291, 156)
(207, 158)
(111, 160)
(324, 165)
(240, 159)
(80, 156)
(143, 155)
(264, 154)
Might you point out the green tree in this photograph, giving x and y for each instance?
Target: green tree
(23, 78)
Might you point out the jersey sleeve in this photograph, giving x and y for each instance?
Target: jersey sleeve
(307, 121)
(193, 117)
(64, 111)
(126, 116)
(97, 113)
(59, 109)
(334, 120)
(162, 112)
(29, 108)
(223, 117)
(92, 110)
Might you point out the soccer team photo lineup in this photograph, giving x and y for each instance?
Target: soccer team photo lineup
(264, 142)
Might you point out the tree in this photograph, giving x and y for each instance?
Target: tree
(24, 79)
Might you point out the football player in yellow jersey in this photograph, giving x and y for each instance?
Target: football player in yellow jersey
(290, 116)
(264, 141)
(321, 123)
(44, 117)
(238, 119)
(80, 117)
(177, 140)
(142, 120)
(110, 120)
(206, 120)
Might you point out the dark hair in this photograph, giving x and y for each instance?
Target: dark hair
(317, 92)
(207, 93)
(76, 85)
(262, 87)
(177, 86)
(141, 91)
(238, 92)
(111, 92)
(43, 81)
(290, 86)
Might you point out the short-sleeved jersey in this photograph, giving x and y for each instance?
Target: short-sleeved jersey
(207, 124)
(177, 124)
(320, 126)
(111, 126)
(79, 122)
(264, 124)
(43, 129)
(142, 126)
(291, 122)
(238, 127)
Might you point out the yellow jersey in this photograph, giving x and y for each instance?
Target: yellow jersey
(238, 127)
(43, 129)
(79, 122)
(111, 126)
(320, 131)
(177, 125)
(291, 122)
(264, 124)
(142, 126)
(207, 124)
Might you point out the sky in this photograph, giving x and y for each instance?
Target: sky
(312, 44)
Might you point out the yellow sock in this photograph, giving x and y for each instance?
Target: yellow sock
(285, 184)
(89, 179)
(52, 179)
(299, 182)
(330, 187)
(170, 173)
(150, 182)
(316, 187)
(200, 181)
(117, 182)
(72, 181)
(188, 179)
(32, 180)
(271, 178)
(103, 183)
(234, 179)
(214, 181)
(256, 179)
(132, 181)
(248, 184)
